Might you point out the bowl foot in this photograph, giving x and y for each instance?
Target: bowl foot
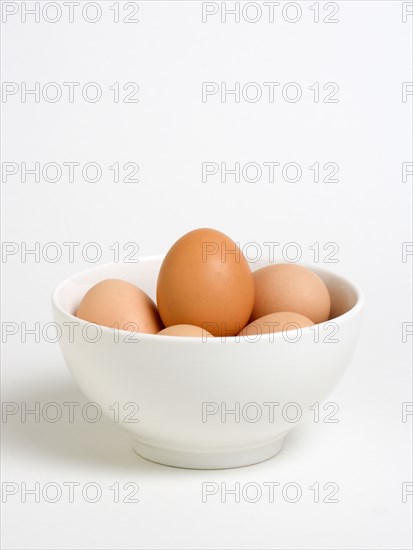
(207, 460)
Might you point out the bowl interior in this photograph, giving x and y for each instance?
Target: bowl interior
(67, 296)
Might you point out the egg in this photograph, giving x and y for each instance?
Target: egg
(290, 287)
(276, 322)
(122, 305)
(185, 330)
(205, 281)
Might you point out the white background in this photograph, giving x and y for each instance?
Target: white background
(169, 134)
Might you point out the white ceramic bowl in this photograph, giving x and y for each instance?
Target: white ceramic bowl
(175, 395)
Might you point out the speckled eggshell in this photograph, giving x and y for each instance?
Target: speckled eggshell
(122, 305)
(205, 281)
(290, 287)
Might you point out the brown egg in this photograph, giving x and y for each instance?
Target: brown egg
(185, 330)
(276, 322)
(205, 281)
(119, 304)
(290, 287)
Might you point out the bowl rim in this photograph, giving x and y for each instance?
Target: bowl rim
(355, 310)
